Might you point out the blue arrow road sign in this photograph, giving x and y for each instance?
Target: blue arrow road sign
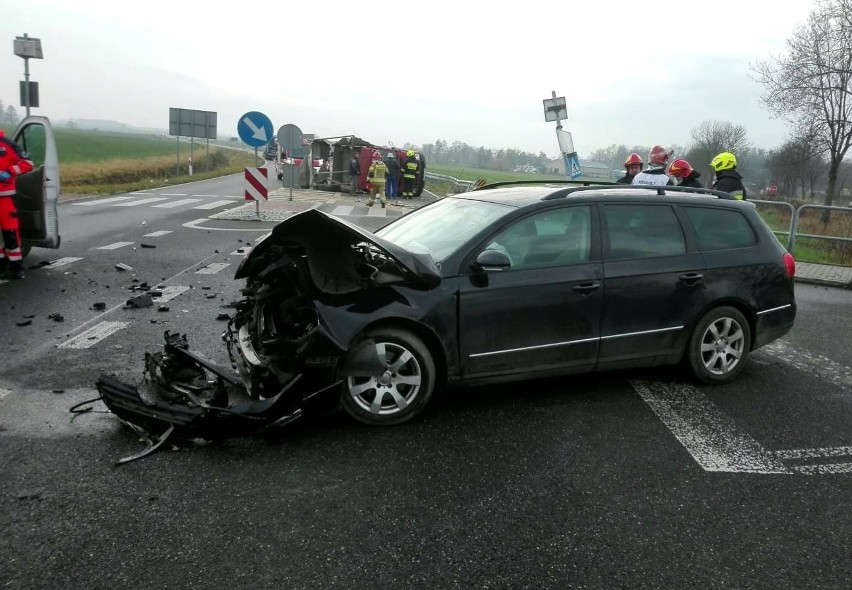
(255, 129)
(572, 165)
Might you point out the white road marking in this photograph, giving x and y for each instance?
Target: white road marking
(4, 392)
(101, 202)
(823, 469)
(212, 269)
(214, 205)
(178, 203)
(376, 211)
(196, 224)
(205, 195)
(815, 364)
(114, 246)
(707, 434)
(60, 262)
(173, 194)
(245, 251)
(814, 453)
(142, 202)
(343, 210)
(170, 293)
(94, 335)
(157, 234)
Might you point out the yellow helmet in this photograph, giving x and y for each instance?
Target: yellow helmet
(724, 161)
(410, 153)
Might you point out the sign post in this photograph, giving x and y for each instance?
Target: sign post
(255, 129)
(555, 110)
(28, 47)
(289, 139)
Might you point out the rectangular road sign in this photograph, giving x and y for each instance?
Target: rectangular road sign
(554, 109)
(256, 184)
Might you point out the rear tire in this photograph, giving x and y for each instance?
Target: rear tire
(401, 391)
(719, 346)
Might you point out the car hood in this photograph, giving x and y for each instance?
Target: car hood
(328, 243)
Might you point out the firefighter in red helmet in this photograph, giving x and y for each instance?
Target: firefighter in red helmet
(13, 162)
(633, 166)
(683, 170)
(655, 175)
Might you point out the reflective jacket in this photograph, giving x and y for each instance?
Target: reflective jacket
(731, 182)
(411, 167)
(14, 161)
(653, 177)
(377, 172)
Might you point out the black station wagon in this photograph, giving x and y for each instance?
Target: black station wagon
(504, 283)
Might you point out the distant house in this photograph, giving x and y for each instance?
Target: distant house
(527, 169)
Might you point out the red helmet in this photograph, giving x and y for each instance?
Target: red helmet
(377, 155)
(658, 155)
(633, 159)
(680, 168)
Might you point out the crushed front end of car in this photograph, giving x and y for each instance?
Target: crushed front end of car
(292, 338)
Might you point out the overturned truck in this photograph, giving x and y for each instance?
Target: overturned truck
(336, 152)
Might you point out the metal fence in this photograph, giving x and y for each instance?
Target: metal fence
(795, 217)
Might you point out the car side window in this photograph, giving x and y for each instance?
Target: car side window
(643, 231)
(32, 141)
(556, 237)
(720, 229)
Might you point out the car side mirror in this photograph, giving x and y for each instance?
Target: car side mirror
(492, 261)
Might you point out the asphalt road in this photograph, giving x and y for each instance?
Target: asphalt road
(633, 479)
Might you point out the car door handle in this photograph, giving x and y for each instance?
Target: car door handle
(587, 288)
(691, 278)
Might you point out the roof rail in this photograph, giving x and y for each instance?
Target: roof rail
(517, 182)
(661, 190)
(588, 185)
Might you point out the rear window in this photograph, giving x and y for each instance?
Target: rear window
(720, 229)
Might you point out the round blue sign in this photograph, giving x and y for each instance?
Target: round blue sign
(255, 129)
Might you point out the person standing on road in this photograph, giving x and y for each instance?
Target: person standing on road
(727, 178)
(683, 170)
(354, 173)
(392, 184)
(655, 175)
(376, 176)
(409, 174)
(13, 162)
(633, 166)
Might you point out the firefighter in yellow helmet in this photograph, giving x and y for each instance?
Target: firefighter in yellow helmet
(409, 174)
(376, 176)
(727, 177)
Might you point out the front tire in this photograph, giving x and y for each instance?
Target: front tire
(401, 391)
(719, 346)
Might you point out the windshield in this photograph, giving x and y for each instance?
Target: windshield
(441, 228)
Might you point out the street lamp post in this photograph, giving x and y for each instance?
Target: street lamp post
(27, 47)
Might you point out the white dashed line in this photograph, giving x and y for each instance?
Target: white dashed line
(94, 335)
(212, 269)
(102, 202)
(157, 234)
(213, 205)
(170, 293)
(178, 203)
(142, 202)
(114, 246)
(172, 194)
(60, 262)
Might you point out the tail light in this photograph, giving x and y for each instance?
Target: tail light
(789, 264)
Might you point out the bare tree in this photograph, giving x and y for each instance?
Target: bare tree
(811, 83)
(711, 138)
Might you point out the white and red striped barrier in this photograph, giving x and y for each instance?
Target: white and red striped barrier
(256, 182)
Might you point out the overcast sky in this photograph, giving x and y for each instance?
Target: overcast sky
(415, 72)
